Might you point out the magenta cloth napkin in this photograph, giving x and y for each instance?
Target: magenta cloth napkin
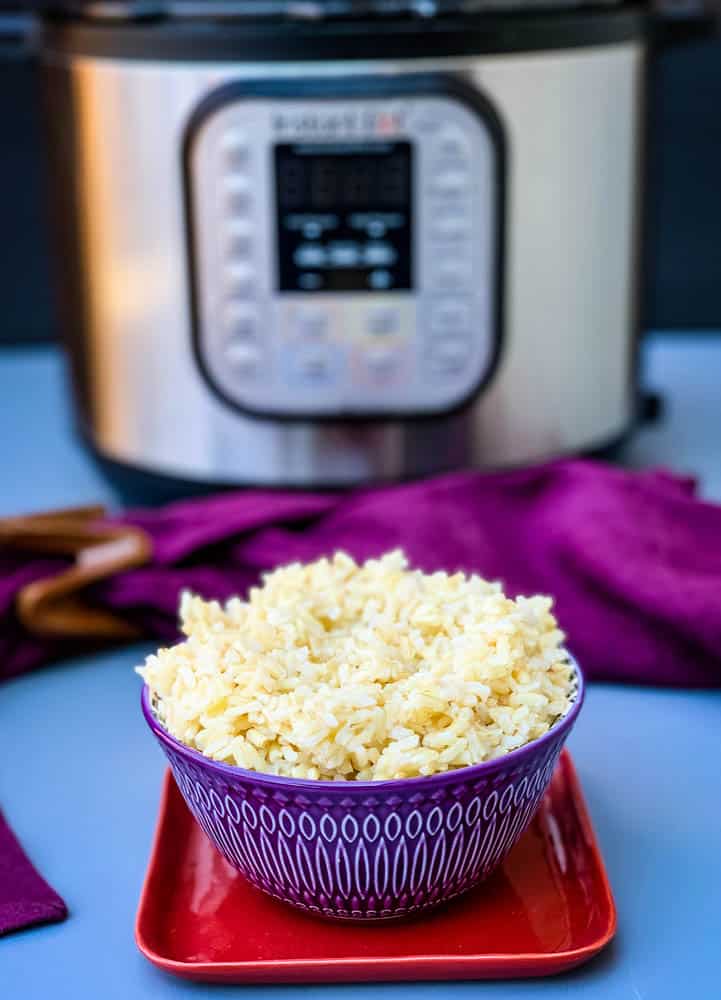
(633, 559)
(25, 897)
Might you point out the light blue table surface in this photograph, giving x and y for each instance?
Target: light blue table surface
(80, 775)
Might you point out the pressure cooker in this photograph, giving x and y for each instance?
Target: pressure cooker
(340, 241)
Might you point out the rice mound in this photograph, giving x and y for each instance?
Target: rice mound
(335, 670)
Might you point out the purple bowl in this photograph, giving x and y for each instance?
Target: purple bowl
(367, 850)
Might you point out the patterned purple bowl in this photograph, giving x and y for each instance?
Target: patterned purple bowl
(367, 850)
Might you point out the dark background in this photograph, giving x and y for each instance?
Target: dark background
(683, 249)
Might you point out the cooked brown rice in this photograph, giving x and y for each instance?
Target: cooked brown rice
(337, 670)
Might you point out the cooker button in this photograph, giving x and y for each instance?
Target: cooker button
(382, 363)
(450, 316)
(240, 321)
(244, 357)
(240, 278)
(237, 193)
(310, 281)
(379, 255)
(375, 228)
(383, 320)
(451, 182)
(313, 365)
(310, 255)
(239, 237)
(452, 144)
(311, 324)
(452, 271)
(313, 229)
(450, 225)
(380, 279)
(343, 254)
(235, 147)
(448, 355)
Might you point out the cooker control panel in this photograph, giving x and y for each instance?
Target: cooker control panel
(345, 249)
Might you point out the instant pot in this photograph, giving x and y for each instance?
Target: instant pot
(332, 242)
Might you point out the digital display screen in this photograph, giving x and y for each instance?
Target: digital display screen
(344, 216)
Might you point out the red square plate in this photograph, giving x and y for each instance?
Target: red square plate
(549, 907)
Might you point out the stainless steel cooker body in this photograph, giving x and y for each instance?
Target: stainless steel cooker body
(553, 247)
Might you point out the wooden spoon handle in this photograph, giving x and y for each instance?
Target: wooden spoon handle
(55, 606)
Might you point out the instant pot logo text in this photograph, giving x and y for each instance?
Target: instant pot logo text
(345, 122)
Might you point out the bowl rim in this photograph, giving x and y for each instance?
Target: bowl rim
(562, 726)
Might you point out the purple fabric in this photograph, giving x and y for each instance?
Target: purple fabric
(633, 559)
(25, 897)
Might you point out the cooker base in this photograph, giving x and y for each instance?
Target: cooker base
(135, 485)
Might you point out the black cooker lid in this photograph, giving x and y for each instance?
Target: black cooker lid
(232, 10)
(366, 33)
(303, 30)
